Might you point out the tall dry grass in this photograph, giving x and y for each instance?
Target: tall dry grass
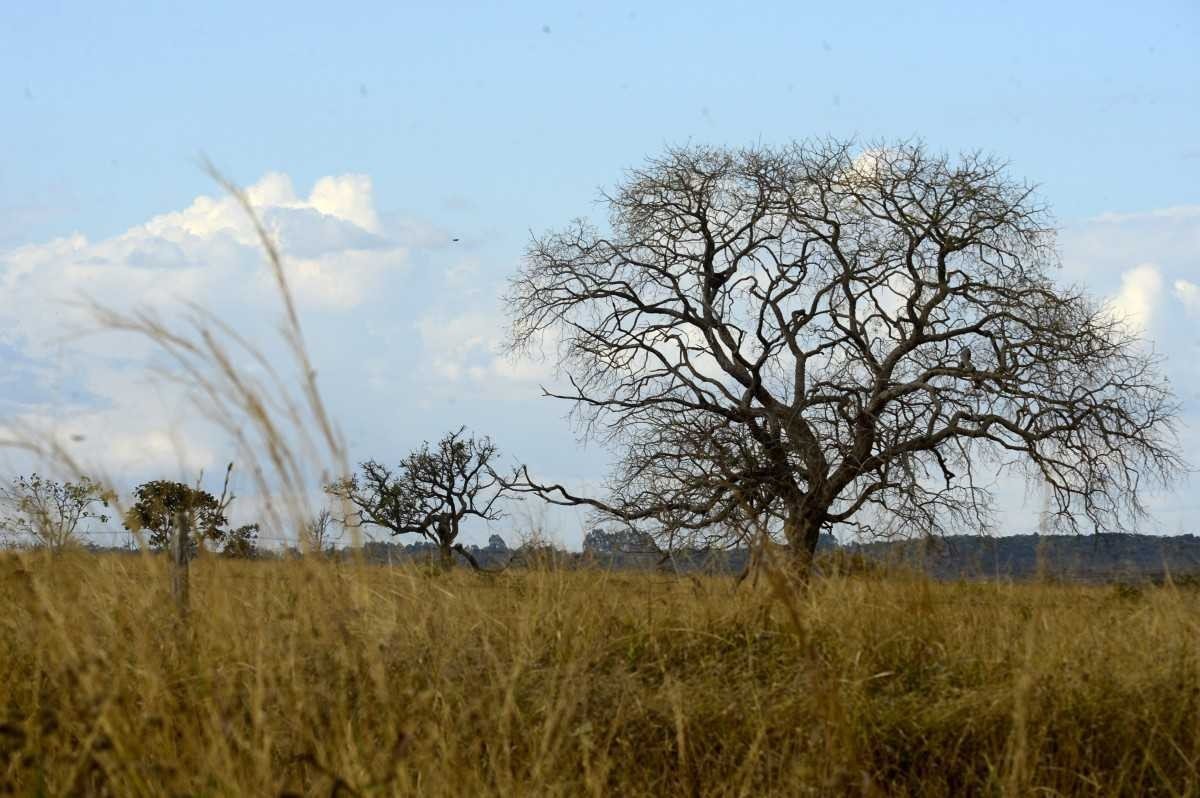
(318, 678)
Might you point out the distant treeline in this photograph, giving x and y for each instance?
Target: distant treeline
(1066, 557)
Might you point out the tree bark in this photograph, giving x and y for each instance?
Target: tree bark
(802, 531)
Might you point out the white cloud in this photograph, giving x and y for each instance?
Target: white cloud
(1133, 258)
(336, 257)
(348, 197)
(337, 281)
(1096, 252)
(207, 254)
(1138, 298)
(1189, 294)
(469, 347)
(453, 346)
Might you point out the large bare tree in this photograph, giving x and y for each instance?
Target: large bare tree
(430, 494)
(823, 334)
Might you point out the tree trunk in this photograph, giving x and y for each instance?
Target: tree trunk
(470, 558)
(179, 568)
(802, 531)
(446, 530)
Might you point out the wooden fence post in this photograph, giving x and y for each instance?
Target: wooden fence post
(180, 551)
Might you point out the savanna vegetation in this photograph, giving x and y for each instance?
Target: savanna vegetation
(309, 677)
(775, 342)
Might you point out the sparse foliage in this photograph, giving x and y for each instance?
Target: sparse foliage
(48, 513)
(430, 494)
(820, 334)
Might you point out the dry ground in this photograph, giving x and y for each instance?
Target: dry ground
(314, 678)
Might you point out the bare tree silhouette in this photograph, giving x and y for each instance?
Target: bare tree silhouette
(430, 494)
(824, 334)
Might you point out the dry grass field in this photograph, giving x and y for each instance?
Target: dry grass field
(315, 678)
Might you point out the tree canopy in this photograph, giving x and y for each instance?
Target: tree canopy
(161, 506)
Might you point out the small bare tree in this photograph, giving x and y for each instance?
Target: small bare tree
(430, 494)
(320, 532)
(820, 334)
(48, 513)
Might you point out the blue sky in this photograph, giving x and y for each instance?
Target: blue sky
(483, 122)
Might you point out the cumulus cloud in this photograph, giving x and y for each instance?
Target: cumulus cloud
(1097, 251)
(207, 254)
(348, 197)
(1138, 297)
(336, 255)
(1140, 261)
